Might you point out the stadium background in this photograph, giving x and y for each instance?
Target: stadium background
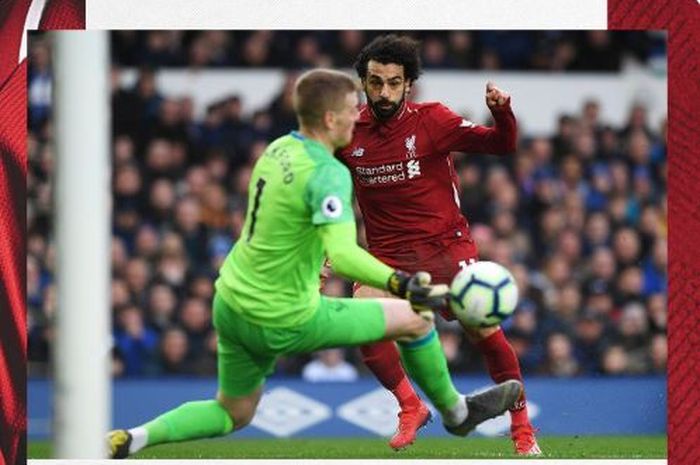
(578, 214)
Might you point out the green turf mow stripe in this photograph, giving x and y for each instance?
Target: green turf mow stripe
(568, 447)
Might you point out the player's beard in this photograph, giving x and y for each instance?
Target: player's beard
(384, 114)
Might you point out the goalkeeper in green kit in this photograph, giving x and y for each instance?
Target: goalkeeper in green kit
(267, 302)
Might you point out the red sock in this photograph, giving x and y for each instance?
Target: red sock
(382, 358)
(502, 364)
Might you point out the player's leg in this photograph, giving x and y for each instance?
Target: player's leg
(241, 409)
(425, 361)
(384, 361)
(498, 354)
(502, 364)
(345, 322)
(241, 376)
(191, 420)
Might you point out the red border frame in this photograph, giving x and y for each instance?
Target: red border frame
(56, 14)
(682, 20)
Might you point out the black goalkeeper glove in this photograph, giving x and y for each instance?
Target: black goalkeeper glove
(425, 298)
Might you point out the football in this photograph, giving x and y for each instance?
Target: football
(483, 294)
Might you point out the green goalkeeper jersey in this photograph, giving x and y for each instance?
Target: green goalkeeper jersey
(271, 276)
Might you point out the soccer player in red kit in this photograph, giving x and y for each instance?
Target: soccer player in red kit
(16, 17)
(407, 188)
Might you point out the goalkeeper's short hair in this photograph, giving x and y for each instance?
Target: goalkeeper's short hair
(318, 91)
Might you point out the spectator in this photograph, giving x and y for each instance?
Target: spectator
(615, 361)
(171, 268)
(602, 265)
(136, 342)
(120, 293)
(173, 351)
(600, 300)
(526, 350)
(214, 203)
(462, 49)
(282, 110)
(658, 317)
(188, 224)
(128, 187)
(205, 364)
(350, 42)
(329, 365)
(659, 353)
(634, 337)
(598, 52)
(559, 359)
(655, 278)
(435, 53)
(202, 286)
(147, 242)
(568, 304)
(590, 341)
(596, 232)
(162, 304)
(138, 276)
(256, 50)
(195, 319)
(626, 246)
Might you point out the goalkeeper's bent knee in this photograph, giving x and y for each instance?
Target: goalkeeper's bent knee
(419, 329)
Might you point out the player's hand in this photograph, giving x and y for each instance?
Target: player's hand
(425, 298)
(495, 97)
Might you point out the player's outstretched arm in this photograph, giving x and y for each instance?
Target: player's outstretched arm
(353, 262)
(452, 133)
(349, 259)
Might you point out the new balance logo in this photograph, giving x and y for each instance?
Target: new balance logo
(358, 152)
(413, 168)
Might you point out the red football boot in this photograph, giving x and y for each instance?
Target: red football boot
(524, 439)
(410, 421)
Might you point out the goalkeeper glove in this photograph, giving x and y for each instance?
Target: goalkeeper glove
(424, 297)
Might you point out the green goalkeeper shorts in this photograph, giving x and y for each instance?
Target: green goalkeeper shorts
(247, 352)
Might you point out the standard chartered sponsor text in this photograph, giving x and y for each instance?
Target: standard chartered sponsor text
(381, 174)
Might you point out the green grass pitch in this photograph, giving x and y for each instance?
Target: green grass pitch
(567, 447)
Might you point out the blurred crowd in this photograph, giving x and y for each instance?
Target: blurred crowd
(509, 50)
(579, 217)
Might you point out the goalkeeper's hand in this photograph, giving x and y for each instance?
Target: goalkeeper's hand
(425, 298)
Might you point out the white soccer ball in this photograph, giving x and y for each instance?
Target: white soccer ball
(483, 294)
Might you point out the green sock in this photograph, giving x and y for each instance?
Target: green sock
(192, 420)
(425, 362)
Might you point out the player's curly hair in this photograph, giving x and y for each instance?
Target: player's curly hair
(391, 48)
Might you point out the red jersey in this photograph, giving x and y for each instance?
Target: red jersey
(404, 176)
(16, 16)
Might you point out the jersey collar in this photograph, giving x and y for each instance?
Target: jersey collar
(306, 140)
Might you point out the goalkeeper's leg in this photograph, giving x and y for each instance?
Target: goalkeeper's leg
(241, 376)
(191, 420)
(425, 361)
